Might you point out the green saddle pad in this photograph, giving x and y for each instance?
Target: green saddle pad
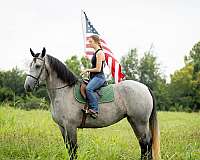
(106, 92)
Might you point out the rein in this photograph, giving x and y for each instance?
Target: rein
(67, 85)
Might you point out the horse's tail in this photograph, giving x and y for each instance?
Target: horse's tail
(155, 132)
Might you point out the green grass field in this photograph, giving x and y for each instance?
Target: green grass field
(32, 135)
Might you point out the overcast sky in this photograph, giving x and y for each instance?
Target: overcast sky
(172, 26)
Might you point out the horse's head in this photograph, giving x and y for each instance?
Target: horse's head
(37, 70)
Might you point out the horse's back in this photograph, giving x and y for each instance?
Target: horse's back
(137, 98)
(133, 88)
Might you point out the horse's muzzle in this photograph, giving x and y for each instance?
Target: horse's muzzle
(27, 87)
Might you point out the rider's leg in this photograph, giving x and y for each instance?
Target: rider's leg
(93, 84)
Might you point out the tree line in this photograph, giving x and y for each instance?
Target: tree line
(180, 94)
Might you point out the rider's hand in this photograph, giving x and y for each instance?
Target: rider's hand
(84, 71)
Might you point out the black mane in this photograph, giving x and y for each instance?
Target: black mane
(62, 71)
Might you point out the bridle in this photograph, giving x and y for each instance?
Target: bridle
(38, 78)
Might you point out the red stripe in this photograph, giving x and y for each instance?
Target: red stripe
(106, 48)
(113, 68)
(109, 55)
(120, 74)
(103, 41)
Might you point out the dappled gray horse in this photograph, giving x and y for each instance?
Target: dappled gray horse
(132, 100)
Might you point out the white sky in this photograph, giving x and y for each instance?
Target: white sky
(173, 26)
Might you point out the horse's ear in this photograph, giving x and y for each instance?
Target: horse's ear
(43, 52)
(32, 53)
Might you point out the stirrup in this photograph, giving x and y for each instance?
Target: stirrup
(92, 113)
(85, 108)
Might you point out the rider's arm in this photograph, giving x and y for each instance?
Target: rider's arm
(100, 57)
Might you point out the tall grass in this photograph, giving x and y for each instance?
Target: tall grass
(32, 135)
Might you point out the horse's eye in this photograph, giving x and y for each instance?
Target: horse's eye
(37, 66)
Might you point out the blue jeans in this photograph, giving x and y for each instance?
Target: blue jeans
(95, 83)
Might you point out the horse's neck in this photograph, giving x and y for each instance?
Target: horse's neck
(52, 83)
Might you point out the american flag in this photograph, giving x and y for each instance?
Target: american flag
(113, 64)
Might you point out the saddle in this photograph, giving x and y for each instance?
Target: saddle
(105, 94)
(83, 88)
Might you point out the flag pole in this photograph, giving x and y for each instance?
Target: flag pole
(82, 12)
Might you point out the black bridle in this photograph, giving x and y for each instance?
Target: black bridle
(38, 78)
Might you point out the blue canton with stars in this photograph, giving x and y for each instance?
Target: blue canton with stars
(89, 27)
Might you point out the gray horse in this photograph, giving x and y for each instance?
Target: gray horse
(132, 100)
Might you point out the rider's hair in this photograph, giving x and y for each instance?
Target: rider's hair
(96, 40)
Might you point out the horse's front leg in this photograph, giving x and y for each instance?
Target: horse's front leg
(64, 135)
(72, 140)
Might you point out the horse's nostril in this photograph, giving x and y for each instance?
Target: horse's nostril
(28, 88)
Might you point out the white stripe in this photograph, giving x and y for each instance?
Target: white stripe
(109, 62)
(116, 72)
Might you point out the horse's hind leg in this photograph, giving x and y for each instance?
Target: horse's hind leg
(143, 135)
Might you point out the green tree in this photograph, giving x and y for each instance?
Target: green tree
(74, 64)
(85, 62)
(181, 88)
(14, 80)
(149, 70)
(11, 85)
(193, 59)
(150, 75)
(6, 94)
(161, 91)
(129, 64)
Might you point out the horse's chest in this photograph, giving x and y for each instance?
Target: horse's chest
(58, 113)
(55, 116)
